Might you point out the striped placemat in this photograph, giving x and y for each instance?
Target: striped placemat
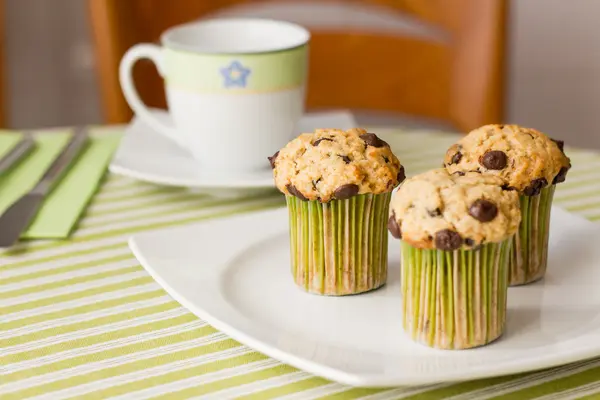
(82, 319)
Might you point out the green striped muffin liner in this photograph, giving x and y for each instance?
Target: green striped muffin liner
(530, 250)
(339, 248)
(455, 299)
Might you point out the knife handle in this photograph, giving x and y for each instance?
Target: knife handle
(61, 163)
(16, 153)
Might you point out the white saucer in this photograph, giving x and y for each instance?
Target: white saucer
(234, 274)
(146, 155)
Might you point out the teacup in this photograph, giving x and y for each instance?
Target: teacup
(235, 88)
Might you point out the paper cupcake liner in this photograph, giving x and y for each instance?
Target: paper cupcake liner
(455, 299)
(340, 247)
(530, 249)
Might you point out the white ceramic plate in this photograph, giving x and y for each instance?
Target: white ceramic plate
(234, 273)
(146, 155)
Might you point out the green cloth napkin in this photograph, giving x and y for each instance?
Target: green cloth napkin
(7, 142)
(64, 205)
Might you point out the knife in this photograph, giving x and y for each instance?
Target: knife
(18, 216)
(16, 153)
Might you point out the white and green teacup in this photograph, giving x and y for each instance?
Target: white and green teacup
(235, 88)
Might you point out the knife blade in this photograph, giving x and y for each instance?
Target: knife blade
(18, 216)
(16, 153)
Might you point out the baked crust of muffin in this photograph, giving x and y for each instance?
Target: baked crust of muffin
(438, 210)
(525, 159)
(336, 164)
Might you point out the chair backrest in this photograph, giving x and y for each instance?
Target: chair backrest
(3, 68)
(458, 80)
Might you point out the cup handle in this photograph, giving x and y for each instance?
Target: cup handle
(154, 54)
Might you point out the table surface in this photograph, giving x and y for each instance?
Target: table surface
(81, 318)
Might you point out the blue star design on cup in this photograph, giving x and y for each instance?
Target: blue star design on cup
(235, 75)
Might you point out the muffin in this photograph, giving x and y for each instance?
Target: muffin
(529, 163)
(456, 233)
(338, 186)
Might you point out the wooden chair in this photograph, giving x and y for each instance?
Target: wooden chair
(3, 75)
(459, 81)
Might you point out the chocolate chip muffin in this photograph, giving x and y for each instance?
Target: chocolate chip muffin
(338, 185)
(456, 234)
(528, 162)
(334, 164)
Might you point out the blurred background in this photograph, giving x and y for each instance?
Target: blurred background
(551, 70)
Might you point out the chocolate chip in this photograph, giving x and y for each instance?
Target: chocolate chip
(448, 240)
(314, 183)
(272, 159)
(469, 242)
(401, 174)
(393, 227)
(345, 158)
(535, 187)
(561, 176)
(459, 173)
(483, 210)
(494, 159)
(387, 160)
(316, 142)
(507, 187)
(295, 192)
(560, 144)
(435, 213)
(346, 191)
(500, 126)
(456, 158)
(372, 139)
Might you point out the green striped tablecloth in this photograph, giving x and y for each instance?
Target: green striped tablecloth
(82, 319)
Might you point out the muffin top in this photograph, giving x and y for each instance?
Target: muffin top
(335, 164)
(525, 159)
(436, 210)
